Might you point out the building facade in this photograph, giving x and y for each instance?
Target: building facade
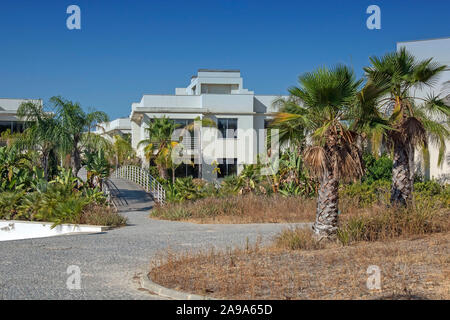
(120, 126)
(439, 50)
(240, 116)
(8, 114)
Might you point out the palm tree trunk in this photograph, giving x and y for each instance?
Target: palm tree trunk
(162, 172)
(401, 190)
(45, 156)
(327, 206)
(76, 162)
(412, 169)
(173, 175)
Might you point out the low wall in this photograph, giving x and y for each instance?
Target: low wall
(17, 230)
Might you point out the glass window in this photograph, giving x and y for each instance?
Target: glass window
(227, 167)
(187, 170)
(228, 127)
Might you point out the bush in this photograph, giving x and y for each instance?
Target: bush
(377, 169)
(57, 204)
(387, 223)
(95, 214)
(428, 188)
(362, 195)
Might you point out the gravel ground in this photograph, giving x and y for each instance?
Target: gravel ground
(110, 262)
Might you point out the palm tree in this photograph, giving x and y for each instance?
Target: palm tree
(158, 146)
(324, 107)
(73, 124)
(412, 120)
(122, 149)
(41, 131)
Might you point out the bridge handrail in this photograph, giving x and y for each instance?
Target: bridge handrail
(143, 178)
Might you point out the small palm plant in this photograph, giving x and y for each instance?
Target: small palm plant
(158, 147)
(97, 167)
(412, 120)
(324, 106)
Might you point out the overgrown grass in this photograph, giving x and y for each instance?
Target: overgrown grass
(102, 216)
(410, 269)
(248, 208)
(409, 245)
(297, 239)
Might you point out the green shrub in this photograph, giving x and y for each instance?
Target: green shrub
(428, 188)
(9, 202)
(364, 194)
(377, 169)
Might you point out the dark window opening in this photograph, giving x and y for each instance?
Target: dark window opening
(186, 170)
(228, 127)
(227, 167)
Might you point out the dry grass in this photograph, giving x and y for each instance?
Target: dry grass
(411, 248)
(102, 216)
(414, 268)
(240, 209)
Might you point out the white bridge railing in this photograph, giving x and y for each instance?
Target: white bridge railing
(143, 178)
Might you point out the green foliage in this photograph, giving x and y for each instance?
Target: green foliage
(429, 188)
(388, 223)
(377, 169)
(15, 169)
(97, 166)
(365, 194)
(188, 189)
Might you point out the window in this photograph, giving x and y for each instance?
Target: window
(216, 88)
(182, 123)
(227, 127)
(187, 170)
(227, 167)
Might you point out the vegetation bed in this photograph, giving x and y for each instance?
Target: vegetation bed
(416, 268)
(239, 209)
(411, 248)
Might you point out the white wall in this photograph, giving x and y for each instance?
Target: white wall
(439, 50)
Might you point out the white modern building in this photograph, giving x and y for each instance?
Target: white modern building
(8, 114)
(219, 95)
(439, 50)
(120, 126)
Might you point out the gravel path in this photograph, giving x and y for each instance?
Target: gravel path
(110, 262)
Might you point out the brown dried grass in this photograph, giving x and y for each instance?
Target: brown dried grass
(415, 268)
(248, 208)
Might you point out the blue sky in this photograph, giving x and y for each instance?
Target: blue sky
(129, 48)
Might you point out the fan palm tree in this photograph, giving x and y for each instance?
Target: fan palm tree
(412, 120)
(324, 107)
(158, 146)
(74, 123)
(41, 131)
